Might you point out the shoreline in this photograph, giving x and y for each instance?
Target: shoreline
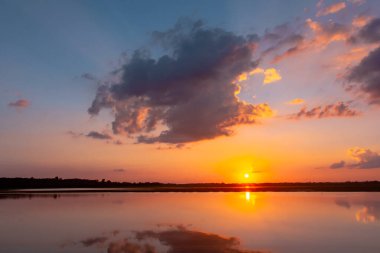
(188, 189)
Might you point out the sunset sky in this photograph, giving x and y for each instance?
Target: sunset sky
(190, 91)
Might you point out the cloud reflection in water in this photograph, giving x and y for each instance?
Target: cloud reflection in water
(369, 210)
(171, 240)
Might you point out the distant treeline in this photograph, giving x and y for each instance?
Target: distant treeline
(44, 183)
(51, 183)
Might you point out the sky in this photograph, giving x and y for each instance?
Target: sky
(190, 91)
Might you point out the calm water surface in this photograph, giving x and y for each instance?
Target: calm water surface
(190, 222)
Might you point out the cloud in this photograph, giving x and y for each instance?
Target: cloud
(74, 134)
(339, 109)
(281, 36)
(99, 136)
(357, 2)
(363, 159)
(317, 36)
(271, 75)
(331, 9)
(21, 103)
(348, 59)
(187, 95)
(338, 165)
(119, 170)
(126, 246)
(296, 101)
(89, 76)
(366, 77)
(325, 33)
(369, 33)
(281, 40)
(93, 241)
(361, 20)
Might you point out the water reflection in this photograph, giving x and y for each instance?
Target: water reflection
(177, 239)
(365, 215)
(217, 222)
(4, 196)
(247, 196)
(250, 198)
(367, 210)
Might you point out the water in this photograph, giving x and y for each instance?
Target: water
(190, 222)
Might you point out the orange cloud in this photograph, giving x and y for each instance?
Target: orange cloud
(352, 57)
(322, 35)
(331, 9)
(361, 20)
(296, 101)
(256, 71)
(327, 33)
(242, 77)
(271, 76)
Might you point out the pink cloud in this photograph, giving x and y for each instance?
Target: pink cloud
(21, 103)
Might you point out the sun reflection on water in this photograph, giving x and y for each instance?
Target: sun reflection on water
(250, 198)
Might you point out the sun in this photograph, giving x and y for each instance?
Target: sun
(246, 175)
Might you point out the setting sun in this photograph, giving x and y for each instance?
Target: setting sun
(246, 175)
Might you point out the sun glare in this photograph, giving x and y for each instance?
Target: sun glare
(246, 175)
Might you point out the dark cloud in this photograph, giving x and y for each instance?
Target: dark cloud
(370, 33)
(97, 135)
(93, 241)
(126, 246)
(21, 103)
(366, 77)
(339, 109)
(119, 170)
(186, 95)
(89, 77)
(172, 146)
(338, 165)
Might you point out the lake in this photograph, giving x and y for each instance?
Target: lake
(234, 222)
